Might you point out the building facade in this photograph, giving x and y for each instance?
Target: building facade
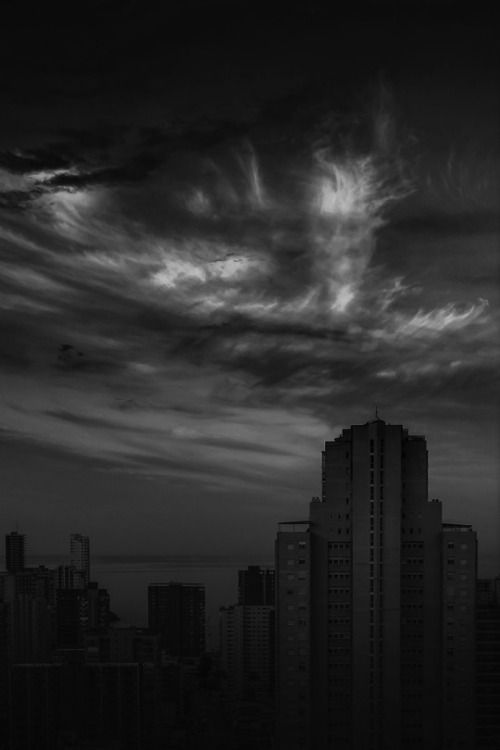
(256, 586)
(488, 664)
(176, 611)
(247, 636)
(360, 604)
(80, 560)
(14, 552)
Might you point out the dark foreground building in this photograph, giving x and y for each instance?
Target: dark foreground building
(375, 606)
(488, 664)
(177, 612)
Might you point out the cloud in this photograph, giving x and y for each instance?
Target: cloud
(182, 296)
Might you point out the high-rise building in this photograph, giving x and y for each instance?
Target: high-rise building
(176, 611)
(293, 635)
(488, 664)
(247, 636)
(459, 571)
(29, 598)
(247, 650)
(80, 560)
(360, 605)
(256, 585)
(14, 552)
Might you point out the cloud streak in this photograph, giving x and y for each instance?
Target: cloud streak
(151, 272)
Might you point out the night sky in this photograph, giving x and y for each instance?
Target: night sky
(227, 231)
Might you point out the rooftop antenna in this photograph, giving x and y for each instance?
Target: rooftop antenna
(376, 411)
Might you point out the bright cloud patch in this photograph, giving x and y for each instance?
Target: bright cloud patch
(440, 320)
(237, 290)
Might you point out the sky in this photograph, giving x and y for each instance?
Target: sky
(228, 231)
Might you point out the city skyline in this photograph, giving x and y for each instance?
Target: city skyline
(373, 608)
(224, 238)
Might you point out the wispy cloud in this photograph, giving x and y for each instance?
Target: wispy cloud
(185, 289)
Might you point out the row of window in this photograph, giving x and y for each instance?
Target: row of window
(339, 562)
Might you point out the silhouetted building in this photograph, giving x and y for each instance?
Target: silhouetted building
(97, 603)
(29, 599)
(247, 660)
(73, 704)
(293, 635)
(256, 585)
(360, 605)
(488, 664)
(247, 650)
(459, 558)
(79, 611)
(65, 578)
(176, 611)
(14, 552)
(4, 674)
(80, 559)
(70, 618)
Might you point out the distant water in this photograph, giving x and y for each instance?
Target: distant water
(127, 579)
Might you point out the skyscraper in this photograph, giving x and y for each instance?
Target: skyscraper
(247, 660)
(80, 559)
(488, 664)
(459, 556)
(14, 552)
(360, 605)
(247, 635)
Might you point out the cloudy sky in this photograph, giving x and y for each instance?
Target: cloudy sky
(226, 233)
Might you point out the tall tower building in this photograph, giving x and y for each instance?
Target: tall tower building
(360, 606)
(247, 636)
(80, 559)
(488, 664)
(247, 660)
(14, 552)
(459, 563)
(293, 635)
